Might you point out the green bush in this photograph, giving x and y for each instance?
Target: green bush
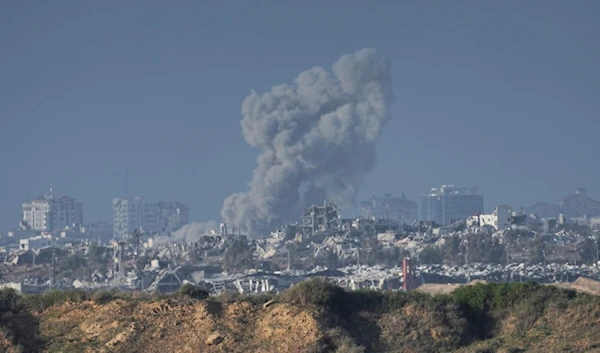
(40, 302)
(193, 292)
(10, 300)
(315, 292)
(105, 296)
(261, 298)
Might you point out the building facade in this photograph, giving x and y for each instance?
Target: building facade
(172, 216)
(127, 216)
(449, 204)
(46, 214)
(389, 206)
(501, 218)
(150, 217)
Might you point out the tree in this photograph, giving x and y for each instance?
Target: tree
(482, 247)
(588, 250)
(293, 249)
(394, 257)
(536, 250)
(238, 256)
(97, 258)
(431, 255)
(72, 266)
(451, 250)
(332, 260)
(193, 292)
(371, 252)
(72, 262)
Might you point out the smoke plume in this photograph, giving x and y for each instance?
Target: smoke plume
(316, 137)
(189, 232)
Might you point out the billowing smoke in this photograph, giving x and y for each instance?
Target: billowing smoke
(189, 232)
(316, 137)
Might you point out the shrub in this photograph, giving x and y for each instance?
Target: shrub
(261, 298)
(43, 301)
(193, 292)
(10, 300)
(229, 296)
(323, 294)
(315, 292)
(105, 296)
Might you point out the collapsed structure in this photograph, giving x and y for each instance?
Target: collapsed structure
(366, 252)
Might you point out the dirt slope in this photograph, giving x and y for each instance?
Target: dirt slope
(314, 318)
(168, 326)
(163, 326)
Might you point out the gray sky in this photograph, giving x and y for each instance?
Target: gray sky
(504, 94)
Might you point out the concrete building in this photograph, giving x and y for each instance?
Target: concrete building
(69, 213)
(389, 206)
(500, 219)
(449, 204)
(128, 215)
(36, 243)
(49, 213)
(37, 215)
(172, 216)
(98, 231)
(152, 218)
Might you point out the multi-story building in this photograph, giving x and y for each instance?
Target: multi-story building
(152, 218)
(172, 216)
(390, 206)
(49, 213)
(127, 215)
(502, 218)
(449, 204)
(98, 231)
(37, 214)
(69, 213)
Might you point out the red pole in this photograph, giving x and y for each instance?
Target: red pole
(407, 272)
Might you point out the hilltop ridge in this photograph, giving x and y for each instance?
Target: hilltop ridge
(313, 316)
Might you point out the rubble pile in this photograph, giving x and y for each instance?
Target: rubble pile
(363, 253)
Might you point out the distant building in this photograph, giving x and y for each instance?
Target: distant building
(36, 243)
(449, 204)
(390, 206)
(579, 205)
(172, 216)
(501, 218)
(37, 215)
(543, 210)
(98, 231)
(152, 218)
(50, 213)
(576, 205)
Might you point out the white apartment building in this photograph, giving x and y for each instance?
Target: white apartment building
(500, 219)
(48, 213)
(37, 214)
(127, 216)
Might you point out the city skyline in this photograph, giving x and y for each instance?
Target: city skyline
(499, 94)
(383, 206)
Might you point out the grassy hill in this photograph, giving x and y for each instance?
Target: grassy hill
(313, 316)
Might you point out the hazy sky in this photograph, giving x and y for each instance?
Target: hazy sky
(504, 94)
